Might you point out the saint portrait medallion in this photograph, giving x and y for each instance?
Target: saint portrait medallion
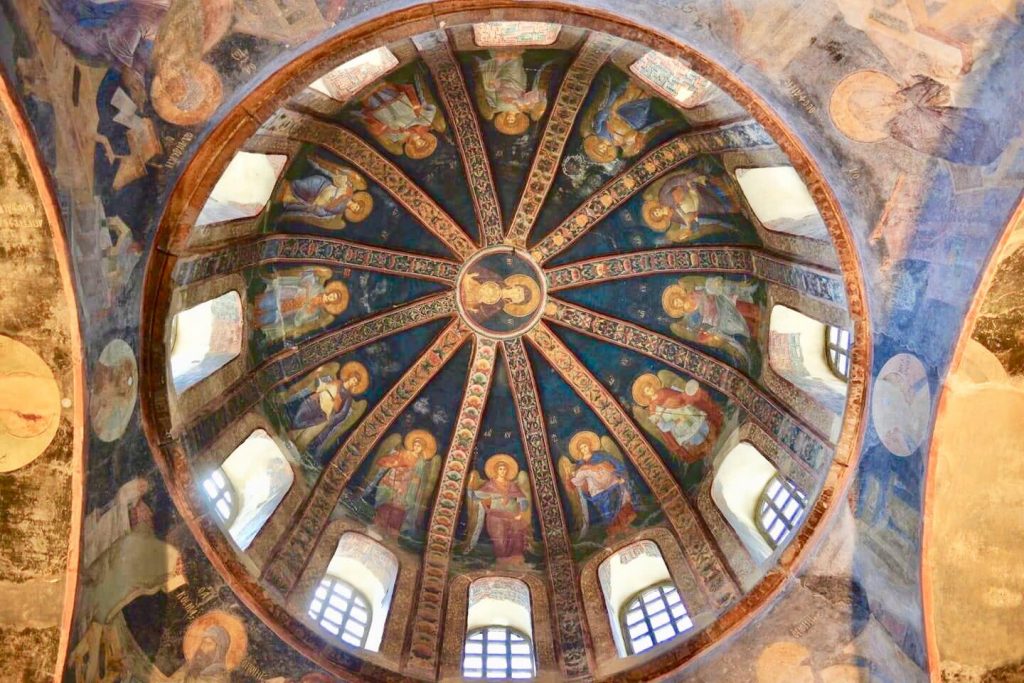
(501, 292)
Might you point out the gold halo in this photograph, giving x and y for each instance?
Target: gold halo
(413, 152)
(645, 380)
(592, 148)
(533, 300)
(357, 368)
(847, 117)
(491, 466)
(579, 439)
(341, 304)
(238, 642)
(671, 292)
(655, 224)
(511, 122)
(365, 205)
(186, 94)
(429, 442)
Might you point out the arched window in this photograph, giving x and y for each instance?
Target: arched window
(341, 610)
(354, 596)
(644, 605)
(780, 200)
(797, 351)
(257, 475)
(739, 481)
(205, 338)
(653, 616)
(838, 345)
(499, 630)
(218, 490)
(779, 510)
(497, 652)
(243, 188)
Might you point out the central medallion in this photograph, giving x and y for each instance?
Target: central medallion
(501, 292)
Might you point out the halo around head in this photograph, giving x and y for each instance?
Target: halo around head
(354, 367)
(491, 466)
(668, 297)
(424, 437)
(655, 223)
(238, 642)
(420, 146)
(848, 112)
(532, 301)
(359, 207)
(511, 122)
(642, 382)
(599, 150)
(336, 287)
(580, 438)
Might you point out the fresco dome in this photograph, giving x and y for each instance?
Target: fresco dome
(502, 326)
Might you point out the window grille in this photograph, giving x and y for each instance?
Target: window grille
(780, 508)
(341, 610)
(654, 615)
(218, 490)
(837, 343)
(497, 652)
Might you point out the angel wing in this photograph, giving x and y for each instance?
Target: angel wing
(643, 419)
(672, 380)
(376, 473)
(486, 110)
(426, 489)
(575, 497)
(643, 137)
(609, 446)
(308, 384)
(541, 81)
(338, 172)
(601, 101)
(427, 97)
(328, 441)
(475, 511)
(523, 482)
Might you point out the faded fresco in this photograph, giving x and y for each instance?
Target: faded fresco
(37, 422)
(403, 380)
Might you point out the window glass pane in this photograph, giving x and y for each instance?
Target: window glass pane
(641, 644)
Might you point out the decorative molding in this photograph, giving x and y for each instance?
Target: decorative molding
(428, 619)
(796, 436)
(713, 574)
(571, 628)
(288, 562)
(310, 249)
(564, 111)
(650, 167)
(346, 144)
(817, 284)
(238, 399)
(436, 51)
(601, 269)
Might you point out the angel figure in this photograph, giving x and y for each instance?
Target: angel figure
(330, 191)
(322, 407)
(503, 505)
(682, 205)
(679, 413)
(403, 117)
(299, 300)
(618, 123)
(502, 94)
(597, 483)
(714, 311)
(483, 293)
(401, 481)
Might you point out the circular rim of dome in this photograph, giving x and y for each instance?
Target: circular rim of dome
(239, 123)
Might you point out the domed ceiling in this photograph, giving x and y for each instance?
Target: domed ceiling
(515, 264)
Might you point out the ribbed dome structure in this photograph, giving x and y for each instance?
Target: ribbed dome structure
(502, 326)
